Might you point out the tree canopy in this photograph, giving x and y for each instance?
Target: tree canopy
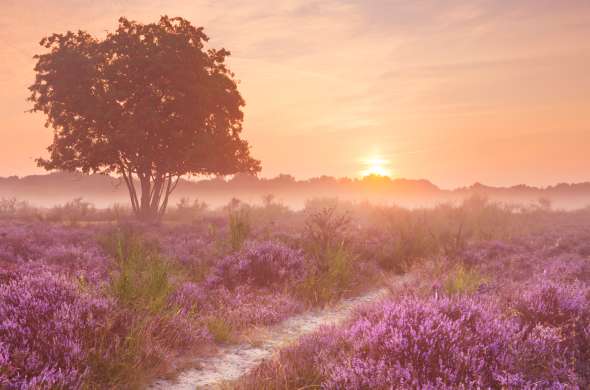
(148, 102)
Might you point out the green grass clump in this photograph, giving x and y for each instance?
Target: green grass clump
(220, 329)
(136, 342)
(239, 227)
(463, 281)
(142, 277)
(333, 276)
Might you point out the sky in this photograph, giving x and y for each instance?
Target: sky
(455, 91)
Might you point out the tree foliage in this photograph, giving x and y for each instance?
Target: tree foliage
(148, 102)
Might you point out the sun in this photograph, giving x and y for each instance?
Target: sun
(376, 166)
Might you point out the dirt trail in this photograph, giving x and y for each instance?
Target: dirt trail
(233, 361)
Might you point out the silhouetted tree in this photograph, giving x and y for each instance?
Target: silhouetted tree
(148, 103)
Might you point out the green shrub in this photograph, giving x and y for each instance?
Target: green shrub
(326, 230)
(463, 281)
(333, 276)
(410, 240)
(145, 329)
(220, 329)
(142, 276)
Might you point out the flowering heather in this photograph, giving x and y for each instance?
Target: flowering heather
(63, 249)
(565, 309)
(528, 328)
(187, 249)
(27, 242)
(553, 304)
(425, 343)
(242, 307)
(46, 324)
(490, 251)
(434, 344)
(166, 291)
(260, 263)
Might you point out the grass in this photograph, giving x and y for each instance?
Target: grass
(331, 278)
(141, 284)
(220, 329)
(142, 279)
(239, 227)
(463, 281)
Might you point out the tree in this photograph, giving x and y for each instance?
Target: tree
(148, 102)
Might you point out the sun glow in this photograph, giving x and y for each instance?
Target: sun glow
(376, 166)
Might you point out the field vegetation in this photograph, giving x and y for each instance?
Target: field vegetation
(498, 297)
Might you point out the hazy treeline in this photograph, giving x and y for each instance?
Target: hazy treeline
(59, 188)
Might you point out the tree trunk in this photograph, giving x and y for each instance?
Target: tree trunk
(151, 203)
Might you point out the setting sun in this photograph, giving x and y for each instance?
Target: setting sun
(376, 166)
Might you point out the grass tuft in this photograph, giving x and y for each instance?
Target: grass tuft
(463, 281)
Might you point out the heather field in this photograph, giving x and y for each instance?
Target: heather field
(296, 194)
(472, 295)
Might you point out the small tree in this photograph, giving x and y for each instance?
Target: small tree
(148, 102)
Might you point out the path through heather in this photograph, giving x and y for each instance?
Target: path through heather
(233, 361)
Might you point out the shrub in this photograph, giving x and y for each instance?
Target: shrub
(550, 303)
(186, 211)
(222, 312)
(47, 327)
(300, 366)
(239, 227)
(220, 329)
(141, 279)
(463, 280)
(261, 263)
(64, 250)
(73, 211)
(325, 230)
(398, 246)
(133, 347)
(329, 278)
(425, 345)
(422, 343)
(564, 309)
(247, 306)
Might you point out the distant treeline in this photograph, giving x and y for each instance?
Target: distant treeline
(61, 187)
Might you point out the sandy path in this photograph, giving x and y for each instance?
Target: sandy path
(233, 361)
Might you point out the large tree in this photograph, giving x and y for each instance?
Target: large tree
(148, 103)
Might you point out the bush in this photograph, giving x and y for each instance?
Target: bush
(65, 250)
(239, 227)
(142, 276)
(564, 309)
(301, 366)
(47, 328)
(400, 244)
(261, 263)
(326, 230)
(73, 211)
(223, 311)
(329, 278)
(422, 343)
(220, 329)
(550, 303)
(463, 280)
(146, 330)
(186, 211)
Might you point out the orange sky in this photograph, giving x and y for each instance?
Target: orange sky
(452, 91)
